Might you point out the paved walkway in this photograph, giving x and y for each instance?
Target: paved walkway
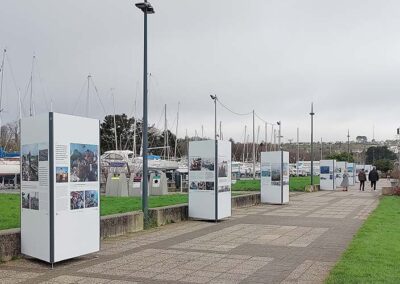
(296, 243)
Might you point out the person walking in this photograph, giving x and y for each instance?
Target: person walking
(362, 178)
(345, 181)
(373, 177)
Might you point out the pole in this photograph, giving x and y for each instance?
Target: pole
(244, 142)
(254, 149)
(266, 137)
(215, 158)
(279, 134)
(312, 141)
(145, 189)
(321, 148)
(348, 144)
(298, 153)
(176, 133)
(220, 130)
(1, 88)
(31, 95)
(115, 123)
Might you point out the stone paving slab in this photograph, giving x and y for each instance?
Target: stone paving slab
(294, 243)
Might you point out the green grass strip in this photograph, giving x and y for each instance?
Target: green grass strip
(295, 184)
(374, 254)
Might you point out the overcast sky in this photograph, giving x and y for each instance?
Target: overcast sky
(271, 56)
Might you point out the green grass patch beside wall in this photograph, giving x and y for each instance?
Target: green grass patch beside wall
(374, 254)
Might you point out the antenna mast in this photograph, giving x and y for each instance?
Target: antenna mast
(31, 96)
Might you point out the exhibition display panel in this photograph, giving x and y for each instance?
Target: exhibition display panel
(327, 174)
(339, 170)
(351, 172)
(275, 177)
(205, 202)
(60, 199)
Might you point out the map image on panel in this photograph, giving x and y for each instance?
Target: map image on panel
(84, 164)
(30, 162)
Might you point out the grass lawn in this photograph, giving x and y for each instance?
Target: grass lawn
(299, 183)
(114, 205)
(9, 211)
(10, 204)
(374, 254)
(295, 184)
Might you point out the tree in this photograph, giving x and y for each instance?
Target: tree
(125, 131)
(342, 156)
(384, 165)
(379, 153)
(361, 139)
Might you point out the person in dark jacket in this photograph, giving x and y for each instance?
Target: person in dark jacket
(373, 177)
(362, 178)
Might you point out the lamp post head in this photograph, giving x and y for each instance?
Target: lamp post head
(312, 109)
(213, 97)
(146, 7)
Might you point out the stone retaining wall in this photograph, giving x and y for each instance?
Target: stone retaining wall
(10, 244)
(120, 224)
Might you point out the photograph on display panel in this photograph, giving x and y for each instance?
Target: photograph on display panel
(324, 170)
(223, 169)
(224, 188)
(276, 172)
(207, 164)
(91, 198)
(285, 169)
(43, 155)
(30, 200)
(61, 174)
(30, 162)
(201, 185)
(84, 163)
(77, 200)
(193, 185)
(195, 164)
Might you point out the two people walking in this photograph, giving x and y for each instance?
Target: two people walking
(373, 177)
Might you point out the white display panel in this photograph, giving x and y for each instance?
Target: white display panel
(202, 179)
(76, 196)
(339, 170)
(351, 171)
(327, 175)
(275, 177)
(60, 218)
(35, 199)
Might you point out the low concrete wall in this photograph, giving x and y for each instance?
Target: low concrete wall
(10, 244)
(246, 200)
(120, 224)
(169, 214)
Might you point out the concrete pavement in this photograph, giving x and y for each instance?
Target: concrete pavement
(295, 243)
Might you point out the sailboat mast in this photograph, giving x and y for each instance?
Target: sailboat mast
(244, 143)
(165, 133)
(87, 95)
(1, 88)
(176, 133)
(134, 132)
(31, 96)
(115, 123)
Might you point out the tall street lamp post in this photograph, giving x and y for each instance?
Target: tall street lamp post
(312, 141)
(214, 98)
(146, 9)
